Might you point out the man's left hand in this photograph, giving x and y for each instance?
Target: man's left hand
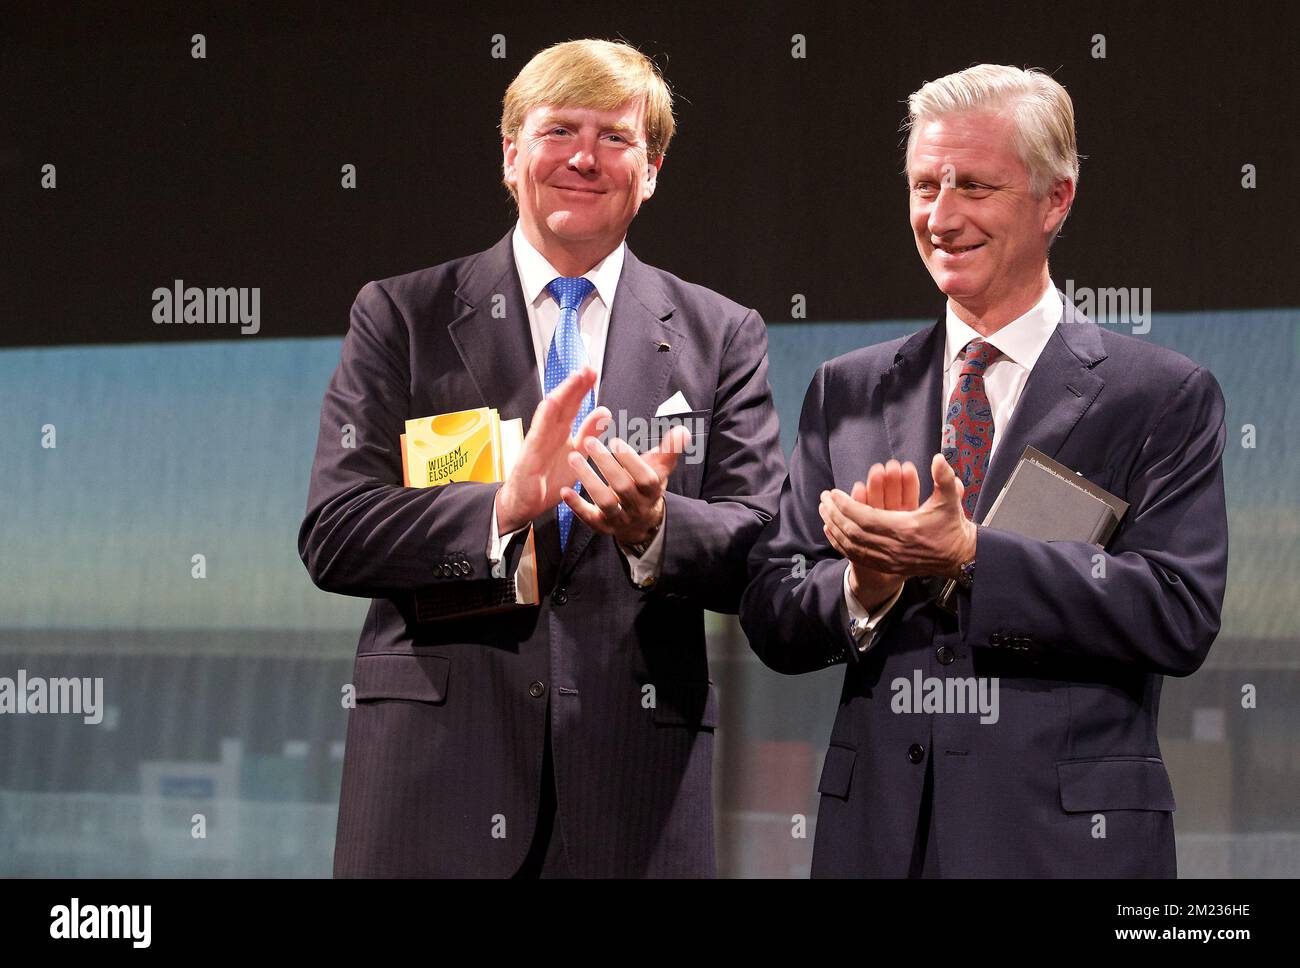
(629, 500)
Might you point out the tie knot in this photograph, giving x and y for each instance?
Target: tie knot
(570, 291)
(978, 355)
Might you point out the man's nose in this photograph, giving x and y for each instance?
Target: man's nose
(584, 155)
(945, 213)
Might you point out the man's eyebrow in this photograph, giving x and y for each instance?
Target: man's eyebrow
(569, 121)
(959, 176)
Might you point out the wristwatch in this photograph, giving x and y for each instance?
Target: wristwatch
(641, 547)
(966, 575)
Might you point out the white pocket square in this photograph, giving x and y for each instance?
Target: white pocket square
(674, 404)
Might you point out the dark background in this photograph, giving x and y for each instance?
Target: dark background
(783, 177)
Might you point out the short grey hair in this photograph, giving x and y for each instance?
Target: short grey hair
(1040, 110)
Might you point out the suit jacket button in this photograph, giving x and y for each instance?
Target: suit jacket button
(536, 689)
(945, 655)
(469, 568)
(916, 752)
(559, 596)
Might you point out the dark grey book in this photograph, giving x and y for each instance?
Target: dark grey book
(1044, 499)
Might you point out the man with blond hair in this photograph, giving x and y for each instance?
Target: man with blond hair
(575, 737)
(1018, 735)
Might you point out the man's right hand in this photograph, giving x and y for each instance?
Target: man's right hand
(889, 487)
(543, 466)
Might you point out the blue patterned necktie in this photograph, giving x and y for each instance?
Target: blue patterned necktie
(567, 355)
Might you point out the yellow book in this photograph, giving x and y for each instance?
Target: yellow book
(512, 442)
(460, 446)
(468, 445)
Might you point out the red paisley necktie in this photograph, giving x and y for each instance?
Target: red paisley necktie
(968, 422)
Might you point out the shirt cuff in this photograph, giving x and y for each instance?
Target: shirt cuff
(497, 542)
(645, 569)
(863, 625)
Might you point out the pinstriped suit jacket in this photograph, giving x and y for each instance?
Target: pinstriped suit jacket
(444, 746)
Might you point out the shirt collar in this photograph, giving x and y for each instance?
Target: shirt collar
(1022, 340)
(535, 273)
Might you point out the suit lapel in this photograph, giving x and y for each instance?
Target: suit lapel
(1060, 389)
(913, 392)
(497, 350)
(635, 372)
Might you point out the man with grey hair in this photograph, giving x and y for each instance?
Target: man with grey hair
(1051, 766)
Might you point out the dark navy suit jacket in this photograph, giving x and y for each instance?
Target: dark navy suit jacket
(1080, 658)
(445, 744)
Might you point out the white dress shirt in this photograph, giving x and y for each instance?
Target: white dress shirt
(1021, 342)
(535, 273)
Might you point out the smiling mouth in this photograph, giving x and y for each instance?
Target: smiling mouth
(584, 191)
(958, 250)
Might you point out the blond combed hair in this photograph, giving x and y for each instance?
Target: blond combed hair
(597, 74)
(1041, 113)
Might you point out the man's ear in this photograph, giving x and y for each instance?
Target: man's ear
(1059, 199)
(508, 156)
(651, 177)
